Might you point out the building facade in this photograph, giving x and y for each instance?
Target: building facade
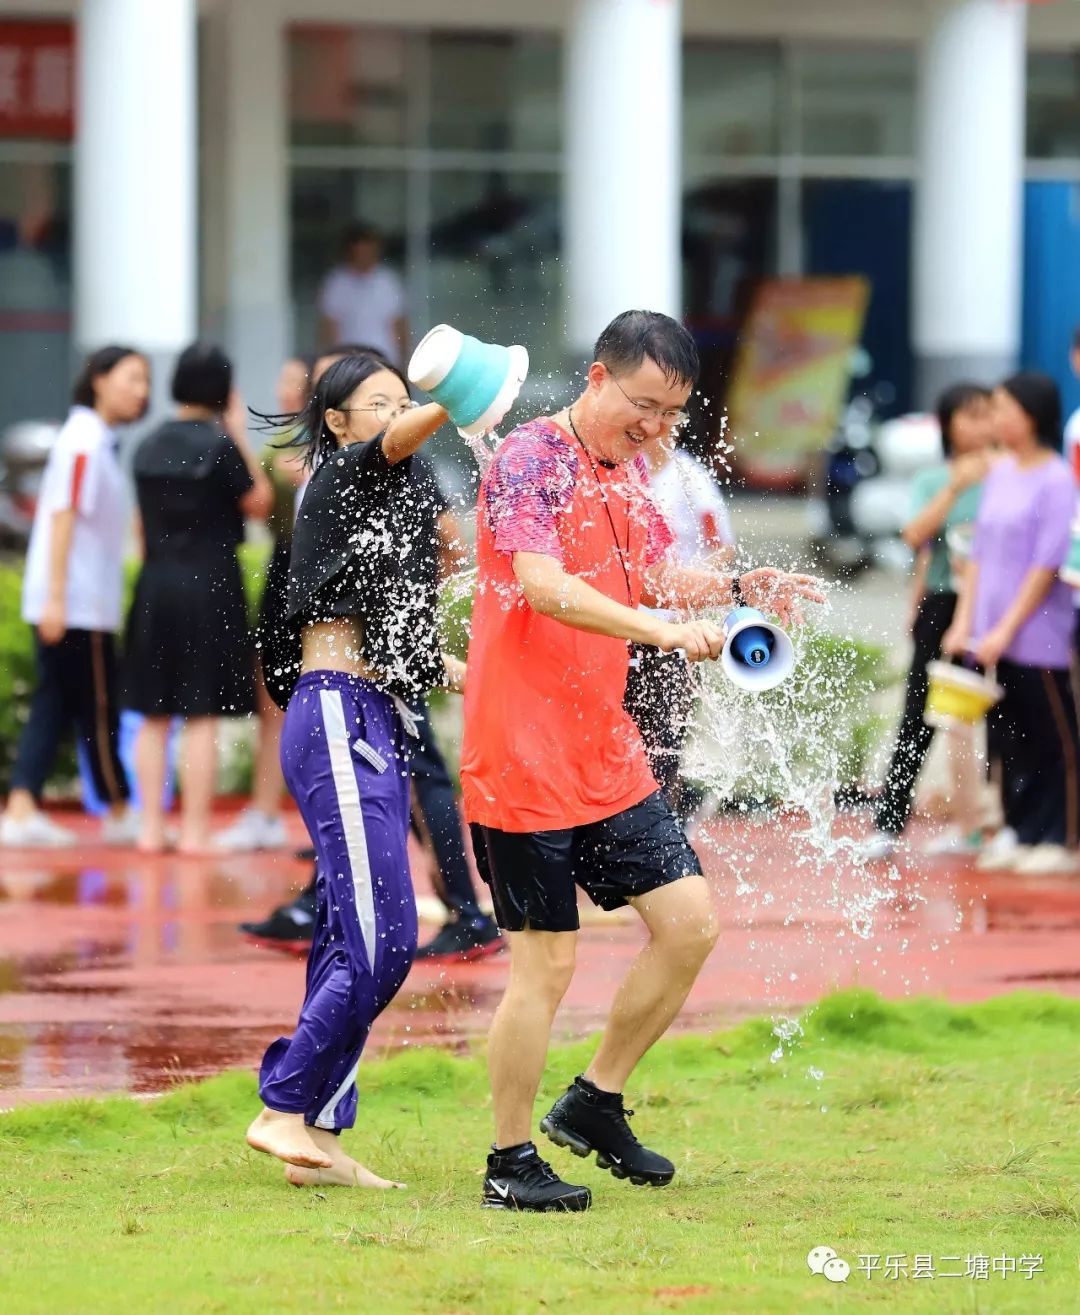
(174, 167)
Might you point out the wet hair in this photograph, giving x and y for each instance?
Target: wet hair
(952, 400)
(312, 435)
(202, 377)
(1040, 398)
(103, 361)
(637, 334)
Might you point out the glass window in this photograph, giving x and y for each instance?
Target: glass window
(495, 91)
(856, 100)
(1053, 104)
(494, 253)
(731, 99)
(863, 226)
(35, 289)
(729, 244)
(494, 271)
(324, 203)
(348, 85)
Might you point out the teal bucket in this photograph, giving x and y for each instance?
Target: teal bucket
(475, 381)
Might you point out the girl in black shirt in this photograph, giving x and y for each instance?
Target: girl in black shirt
(359, 640)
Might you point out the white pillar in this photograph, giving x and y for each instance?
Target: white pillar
(135, 176)
(249, 194)
(969, 196)
(622, 196)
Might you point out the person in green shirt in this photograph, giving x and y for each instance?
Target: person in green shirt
(944, 498)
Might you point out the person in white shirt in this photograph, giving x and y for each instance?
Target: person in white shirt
(659, 687)
(72, 591)
(362, 300)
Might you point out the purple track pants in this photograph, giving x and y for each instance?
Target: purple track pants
(345, 762)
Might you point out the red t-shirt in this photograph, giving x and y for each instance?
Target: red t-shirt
(547, 742)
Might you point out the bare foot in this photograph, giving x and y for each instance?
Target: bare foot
(343, 1172)
(285, 1136)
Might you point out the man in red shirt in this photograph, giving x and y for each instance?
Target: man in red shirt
(554, 774)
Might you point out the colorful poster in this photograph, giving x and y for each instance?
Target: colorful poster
(791, 373)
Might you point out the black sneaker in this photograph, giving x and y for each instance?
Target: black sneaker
(290, 927)
(517, 1179)
(586, 1119)
(462, 941)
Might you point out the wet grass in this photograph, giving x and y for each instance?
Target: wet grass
(931, 1130)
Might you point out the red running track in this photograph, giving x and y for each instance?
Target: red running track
(121, 973)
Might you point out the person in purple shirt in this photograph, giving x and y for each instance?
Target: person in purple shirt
(1016, 616)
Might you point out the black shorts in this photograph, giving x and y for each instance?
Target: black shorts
(533, 874)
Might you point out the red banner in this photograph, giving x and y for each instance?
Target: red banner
(37, 80)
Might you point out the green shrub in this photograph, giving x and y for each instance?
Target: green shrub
(16, 668)
(17, 663)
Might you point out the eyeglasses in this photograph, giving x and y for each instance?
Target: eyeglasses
(384, 411)
(674, 419)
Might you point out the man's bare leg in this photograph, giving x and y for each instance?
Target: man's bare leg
(541, 966)
(344, 1171)
(682, 931)
(286, 1136)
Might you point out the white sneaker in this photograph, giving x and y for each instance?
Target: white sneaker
(34, 832)
(122, 830)
(1046, 860)
(1003, 851)
(953, 841)
(880, 847)
(252, 830)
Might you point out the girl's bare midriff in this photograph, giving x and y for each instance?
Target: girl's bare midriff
(336, 646)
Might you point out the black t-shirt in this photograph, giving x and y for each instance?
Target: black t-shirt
(189, 479)
(365, 546)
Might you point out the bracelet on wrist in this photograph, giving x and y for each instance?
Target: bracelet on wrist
(737, 596)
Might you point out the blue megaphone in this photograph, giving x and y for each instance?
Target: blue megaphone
(475, 381)
(757, 654)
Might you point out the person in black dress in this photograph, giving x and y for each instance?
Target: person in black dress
(189, 647)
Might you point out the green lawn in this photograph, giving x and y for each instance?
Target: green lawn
(931, 1130)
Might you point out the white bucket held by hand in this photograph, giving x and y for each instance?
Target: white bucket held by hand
(757, 655)
(477, 382)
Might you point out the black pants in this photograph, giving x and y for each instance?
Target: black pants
(1034, 732)
(660, 698)
(436, 804)
(914, 735)
(76, 686)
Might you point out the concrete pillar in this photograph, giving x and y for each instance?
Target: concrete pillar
(969, 194)
(246, 209)
(622, 194)
(135, 176)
